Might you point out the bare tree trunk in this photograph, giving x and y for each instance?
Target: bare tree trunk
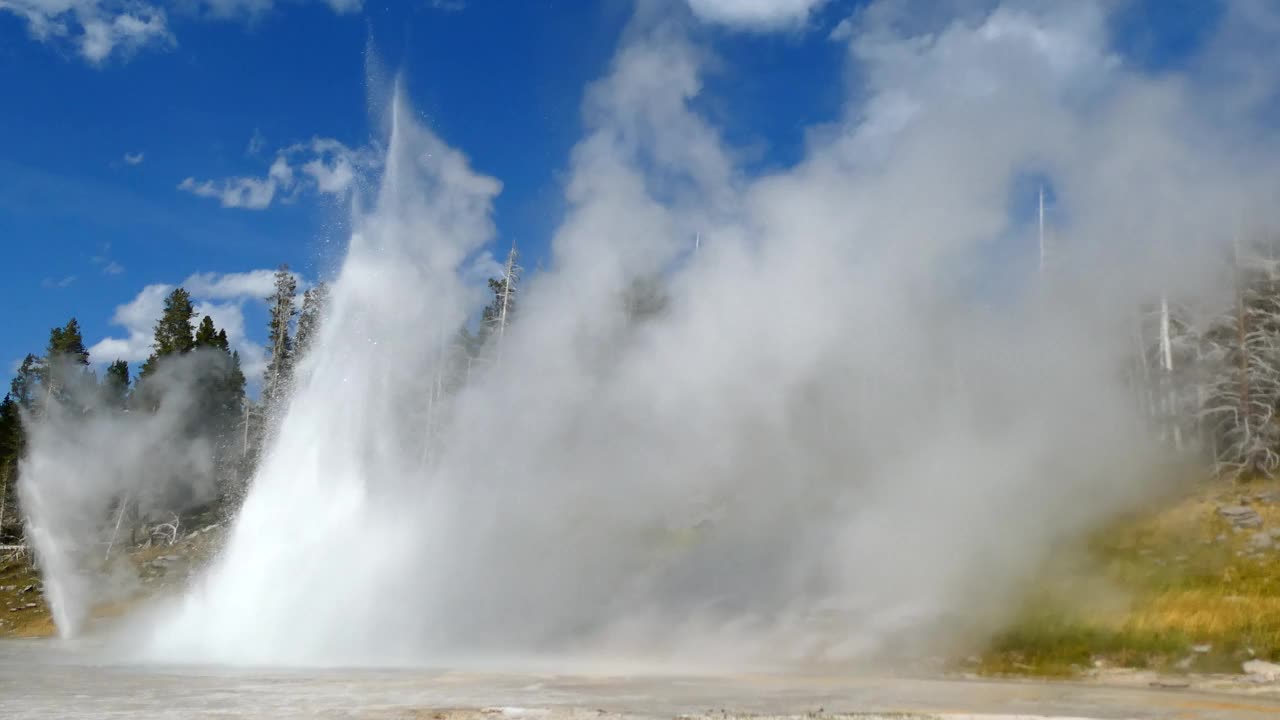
(1144, 374)
(1166, 362)
(4, 497)
(1242, 331)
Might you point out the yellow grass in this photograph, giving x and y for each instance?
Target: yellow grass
(1176, 589)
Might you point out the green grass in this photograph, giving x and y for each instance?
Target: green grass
(1146, 590)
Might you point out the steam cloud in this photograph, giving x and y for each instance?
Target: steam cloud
(868, 446)
(89, 463)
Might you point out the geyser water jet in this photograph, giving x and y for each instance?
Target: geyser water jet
(822, 442)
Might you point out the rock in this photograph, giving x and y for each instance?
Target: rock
(29, 605)
(1240, 516)
(1267, 497)
(1262, 669)
(26, 589)
(1201, 649)
(1222, 537)
(1261, 541)
(1185, 663)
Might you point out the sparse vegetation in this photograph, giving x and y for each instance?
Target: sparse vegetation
(1180, 590)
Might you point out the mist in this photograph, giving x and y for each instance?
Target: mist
(91, 461)
(863, 413)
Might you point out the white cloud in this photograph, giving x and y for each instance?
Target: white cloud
(221, 296)
(256, 143)
(326, 166)
(103, 260)
(95, 28)
(230, 286)
(758, 15)
(133, 158)
(447, 5)
(101, 29)
(244, 192)
(58, 283)
(137, 317)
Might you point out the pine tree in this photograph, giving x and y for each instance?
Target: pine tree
(11, 445)
(67, 342)
(497, 317)
(314, 304)
(206, 335)
(66, 361)
(174, 334)
(644, 299)
(279, 371)
(115, 384)
(25, 384)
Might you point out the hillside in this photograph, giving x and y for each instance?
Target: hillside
(1191, 587)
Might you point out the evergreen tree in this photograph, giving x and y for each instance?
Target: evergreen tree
(314, 303)
(25, 384)
(497, 316)
(11, 444)
(115, 384)
(206, 335)
(174, 334)
(644, 299)
(67, 342)
(279, 372)
(66, 361)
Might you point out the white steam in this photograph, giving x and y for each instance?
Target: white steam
(833, 441)
(89, 464)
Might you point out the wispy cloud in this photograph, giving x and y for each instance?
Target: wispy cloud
(104, 261)
(756, 15)
(447, 5)
(58, 283)
(96, 29)
(250, 193)
(102, 29)
(257, 143)
(322, 165)
(133, 158)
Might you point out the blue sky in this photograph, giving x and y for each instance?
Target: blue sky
(97, 142)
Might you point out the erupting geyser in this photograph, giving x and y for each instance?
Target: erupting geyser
(807, 433)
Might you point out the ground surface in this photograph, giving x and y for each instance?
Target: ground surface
(1192, 585)
(45, 679)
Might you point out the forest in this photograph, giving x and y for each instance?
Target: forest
(1205, 375)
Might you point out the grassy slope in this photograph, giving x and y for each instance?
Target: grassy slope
(1179, 589)
(19, 587)
(20, 584)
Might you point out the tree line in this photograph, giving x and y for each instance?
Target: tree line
(217, 407)
(191, 357)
